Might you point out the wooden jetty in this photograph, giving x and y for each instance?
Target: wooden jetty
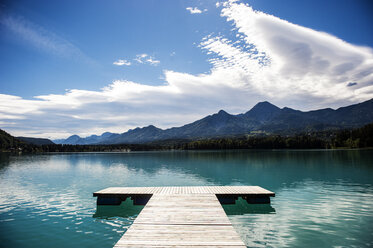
(182, 216)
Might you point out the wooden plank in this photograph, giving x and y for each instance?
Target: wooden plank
(183, 209)
(181, 220)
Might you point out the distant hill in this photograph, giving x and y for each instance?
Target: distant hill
(36, 141)
(263, 119)
(11, 143)
(7, 141)
(93, 139)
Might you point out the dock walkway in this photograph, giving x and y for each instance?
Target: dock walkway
(182, 216)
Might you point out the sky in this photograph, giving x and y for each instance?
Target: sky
(87, 67)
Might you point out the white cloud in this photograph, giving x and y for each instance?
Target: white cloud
(121, 62)
(289, 63)
(152, 61)
(270, 59)
(195, 10)
(146, 59)
(122, 105)
(140, 57)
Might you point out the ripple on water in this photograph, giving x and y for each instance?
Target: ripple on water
(313, 213)
(321, 199)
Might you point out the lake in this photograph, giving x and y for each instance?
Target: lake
(323, 198)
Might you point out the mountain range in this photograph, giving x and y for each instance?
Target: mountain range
(263, 119)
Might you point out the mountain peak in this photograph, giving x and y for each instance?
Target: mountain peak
(150, 127)
(264, 105)
(73, 139)
(222, 112)
(263, 111)
(142, 129)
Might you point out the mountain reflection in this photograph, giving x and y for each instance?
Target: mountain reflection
(268, 169)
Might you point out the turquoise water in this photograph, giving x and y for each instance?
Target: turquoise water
(323, 198)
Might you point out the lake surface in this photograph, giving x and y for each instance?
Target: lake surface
(323, 198)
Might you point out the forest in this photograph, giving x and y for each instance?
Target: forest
(349, 138)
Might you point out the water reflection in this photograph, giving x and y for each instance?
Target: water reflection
(125, 210)
(241, 207)
(268, 169)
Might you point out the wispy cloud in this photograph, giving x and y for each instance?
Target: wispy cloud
(270, 59)
(146, 59)
(195, 10)
(121, 62)
(41, 38)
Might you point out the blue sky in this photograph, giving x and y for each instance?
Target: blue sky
(85, 67)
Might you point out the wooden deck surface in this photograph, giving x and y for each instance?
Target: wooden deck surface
(236, 190)
(182, 216)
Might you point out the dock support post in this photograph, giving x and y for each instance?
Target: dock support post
(140, 199)
(260, 199)
(110, 200)
(227, 199)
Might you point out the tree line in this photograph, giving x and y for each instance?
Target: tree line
(351, 138)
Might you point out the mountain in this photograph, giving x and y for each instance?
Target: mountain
(36, 141)
(93, 139)
(72, 140)
(217, 124)
(288, 120)
(263, 118)
(262, 112)
(144, 134)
